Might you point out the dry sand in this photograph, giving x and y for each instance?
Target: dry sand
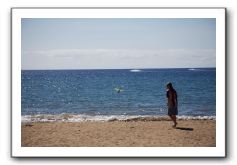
(189, 133)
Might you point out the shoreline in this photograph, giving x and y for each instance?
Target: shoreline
(64, 117)
(189, 133)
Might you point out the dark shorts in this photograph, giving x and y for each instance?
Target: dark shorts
(172, 111)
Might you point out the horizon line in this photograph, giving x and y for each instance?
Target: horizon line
(121, 68)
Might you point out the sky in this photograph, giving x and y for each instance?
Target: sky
(117, 43)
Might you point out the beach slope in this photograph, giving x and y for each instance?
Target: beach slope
(189, 133)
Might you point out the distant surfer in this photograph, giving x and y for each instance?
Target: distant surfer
(118, 89)
(172, 103)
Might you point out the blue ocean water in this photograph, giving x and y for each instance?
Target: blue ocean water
(94, 93)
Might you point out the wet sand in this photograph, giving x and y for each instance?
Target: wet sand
(189, 133)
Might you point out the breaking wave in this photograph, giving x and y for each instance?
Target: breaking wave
(83, 118)
(135, 70)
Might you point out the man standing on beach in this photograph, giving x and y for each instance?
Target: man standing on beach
(172, 103)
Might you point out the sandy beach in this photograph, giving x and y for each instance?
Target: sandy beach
(189, 133)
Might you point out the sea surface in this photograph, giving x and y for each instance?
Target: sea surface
(116, 94)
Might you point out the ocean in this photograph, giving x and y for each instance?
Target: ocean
(115, 94)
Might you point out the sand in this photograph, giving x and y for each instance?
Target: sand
(189, 133)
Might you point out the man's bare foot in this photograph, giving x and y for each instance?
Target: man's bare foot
(174, 126)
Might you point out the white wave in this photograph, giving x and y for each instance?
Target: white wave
(196, 117)
(83, 118)
(135, 70)
(192, 69)
(199, 69)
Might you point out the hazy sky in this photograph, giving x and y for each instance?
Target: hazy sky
(118, 43)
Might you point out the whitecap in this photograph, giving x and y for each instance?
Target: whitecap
(135, 70)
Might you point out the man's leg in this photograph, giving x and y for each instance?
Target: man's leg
(173, 117)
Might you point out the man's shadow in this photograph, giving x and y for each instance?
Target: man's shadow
(184, 128)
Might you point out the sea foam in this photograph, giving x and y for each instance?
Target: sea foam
(104, 118)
